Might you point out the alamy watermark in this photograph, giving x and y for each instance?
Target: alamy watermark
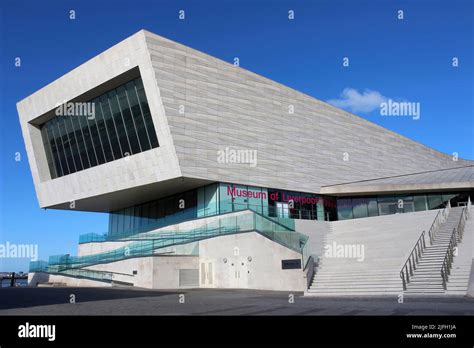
(345, 251)
(28, 330)
(86, 109)
(10, 250)
(394, 108)
(237, 156)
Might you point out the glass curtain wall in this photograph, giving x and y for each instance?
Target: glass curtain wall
(221, 198)
(117, 124)
(155, 214)
(214, 199)
(359, 207)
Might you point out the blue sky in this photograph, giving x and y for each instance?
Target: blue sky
(409, 59)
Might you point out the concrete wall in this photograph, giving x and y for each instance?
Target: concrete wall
(166, 270)
(264, 270)
(157, 272)
(123, 271)
(317, 232)
(227, 106)
(41, 278)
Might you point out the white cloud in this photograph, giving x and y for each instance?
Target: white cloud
(354, 101)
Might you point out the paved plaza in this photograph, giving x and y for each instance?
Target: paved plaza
(127, 301)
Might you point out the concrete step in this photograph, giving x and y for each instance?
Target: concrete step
(432, 258)
(425, 277)
(339, 277)
(431, 268)
(356, 277)
(431, 282)
(353, 292)
(352, 283)
(412, 286)
(355, 273)
(356, 286)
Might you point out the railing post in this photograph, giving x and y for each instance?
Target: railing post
(443, 278)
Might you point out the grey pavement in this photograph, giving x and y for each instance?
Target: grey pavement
(127, 301)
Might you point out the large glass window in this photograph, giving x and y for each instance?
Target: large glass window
(162, 212)
(372, 206)
(356, 207)
(359, 207)
(405, 204)
(344, 209)
(435, 201)
(388, 205)
(420, 203)
(300, 205)
(109, 127)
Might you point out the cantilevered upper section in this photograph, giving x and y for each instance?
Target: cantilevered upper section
(201, 107)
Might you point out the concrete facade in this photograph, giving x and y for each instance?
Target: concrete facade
(41, 278)
(249, 261)
(226, 106)
(142, 170)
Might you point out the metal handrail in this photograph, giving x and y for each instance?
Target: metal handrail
(456, 237)
(468, 206)
(441, 213)
(410, 263)
(431, 230)
(420, 245)
(462, 223)
(147, 246)
(309, 269)
(448, 259)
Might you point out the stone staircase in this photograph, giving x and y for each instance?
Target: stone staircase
(426, 279)
(379, 273)
(458, 282)
(387, 241)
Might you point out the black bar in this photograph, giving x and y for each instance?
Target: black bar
(223, 330)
